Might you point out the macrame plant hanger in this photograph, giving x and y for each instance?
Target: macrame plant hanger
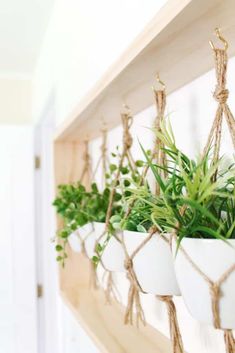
(103, 159)
(110, 287)
(88, 176)
(127, 120)
(158, 155)
(86, 171)
(134, 303)
(214, 141)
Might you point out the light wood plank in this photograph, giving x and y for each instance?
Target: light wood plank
(175, 43)
(104, 323)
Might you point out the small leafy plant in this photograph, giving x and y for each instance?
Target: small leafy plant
(130, 175)
(191, 202)
(77, 207)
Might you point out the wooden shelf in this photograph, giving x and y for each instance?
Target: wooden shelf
(175, 43)
(104, 323)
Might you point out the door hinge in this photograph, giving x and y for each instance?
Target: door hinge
(39, 290)
(37, 162)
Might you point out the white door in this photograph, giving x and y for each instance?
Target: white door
(59, 332)
(18, 315)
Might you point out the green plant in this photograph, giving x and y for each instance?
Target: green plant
(191, 201)
(77, 207)
(130, 175)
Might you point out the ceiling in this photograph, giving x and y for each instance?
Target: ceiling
(22, 27)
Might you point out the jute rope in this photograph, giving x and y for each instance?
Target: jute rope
(221, 96)
(176, 339)
(103, 159)
(126, 154)
(157, 152)
(104, 154)
(93, 281)
(175, 335)
(160, 157)
(110, 287)
(111, 290)
(86, 172)
(135, 289)
(215, 293)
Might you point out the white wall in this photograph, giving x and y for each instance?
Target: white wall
(83, 39)
(16, 99)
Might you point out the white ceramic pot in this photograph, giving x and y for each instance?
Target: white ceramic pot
(153, 264)
(87, 234)
(214, 257)
(113, 256)
(75, 242)
(99, 229)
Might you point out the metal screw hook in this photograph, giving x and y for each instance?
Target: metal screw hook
(126, 108)
(219, 36)
(160, 81)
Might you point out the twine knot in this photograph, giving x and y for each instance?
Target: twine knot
(128, 264)
(127, 140)
(86, 157)
(165, 298)
(229, 341)
(215, 296)
(215, 290)
(221, 95)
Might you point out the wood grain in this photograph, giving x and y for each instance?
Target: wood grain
(104, 323)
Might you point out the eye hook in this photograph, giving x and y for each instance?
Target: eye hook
(160, 82)
(103, 123)
(219, 36)
(126, 108)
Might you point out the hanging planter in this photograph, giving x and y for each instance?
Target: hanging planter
(153, 264)
(87, 236)
(214, 258)
(75, 242)
(82, 235)
(113, 257)
(209, 264)
(200, 210)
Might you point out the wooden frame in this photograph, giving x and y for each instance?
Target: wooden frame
(175, 43)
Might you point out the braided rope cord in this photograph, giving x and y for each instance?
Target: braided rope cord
(135, 289)
(221, 94)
